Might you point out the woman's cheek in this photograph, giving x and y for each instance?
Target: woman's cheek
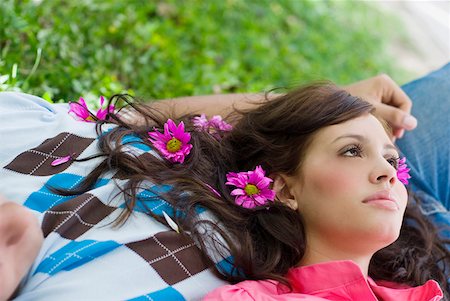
(402, 194)
(333, 181)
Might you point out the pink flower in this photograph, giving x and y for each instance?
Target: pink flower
(217, 122)
(214, 126)
(252, 188)
(200, 122)
(174, 143)
(101, 113)
(80, 111)
(403, 171)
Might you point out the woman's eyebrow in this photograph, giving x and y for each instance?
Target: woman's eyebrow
(365, 140)
(355, 136)
(392, 146)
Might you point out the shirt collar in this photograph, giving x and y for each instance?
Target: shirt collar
(346, 278)
(326, 275)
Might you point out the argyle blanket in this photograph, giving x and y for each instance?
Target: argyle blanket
(84, 257)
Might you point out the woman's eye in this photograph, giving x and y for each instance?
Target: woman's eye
(393, 162)
(354, 151)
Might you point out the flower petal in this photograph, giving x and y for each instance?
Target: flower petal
(260, 171)
(200, 122)
(61, 160)
(248, 203)
(245, 201)
(101, 114)
(213, 190)
(158, 137)
(237, 179)
(184, 137)
(264, 183)
(79, 110)
(171, 222)
(268, 194)
(82, 102)
(403, 171)
(170, 126)
(238, 191)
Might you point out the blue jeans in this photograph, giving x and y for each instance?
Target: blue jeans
(427, 148)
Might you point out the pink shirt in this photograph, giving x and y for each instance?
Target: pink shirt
(337, 281)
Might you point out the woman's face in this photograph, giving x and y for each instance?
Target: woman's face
(347, 188)
(20, 240)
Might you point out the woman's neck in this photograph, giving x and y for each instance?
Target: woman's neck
(319, 253)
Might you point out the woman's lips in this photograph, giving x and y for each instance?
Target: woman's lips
(382, 199)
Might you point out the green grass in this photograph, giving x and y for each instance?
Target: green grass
(159, 49)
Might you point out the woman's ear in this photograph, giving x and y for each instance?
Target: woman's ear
(280, 185)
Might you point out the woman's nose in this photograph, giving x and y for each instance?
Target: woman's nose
(384, 172)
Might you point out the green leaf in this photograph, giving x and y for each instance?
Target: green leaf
(47, 96)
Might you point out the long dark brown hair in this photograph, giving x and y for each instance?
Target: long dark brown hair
(263, 243)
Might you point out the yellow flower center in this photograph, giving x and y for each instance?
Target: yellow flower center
(173, 145)
(251, 189)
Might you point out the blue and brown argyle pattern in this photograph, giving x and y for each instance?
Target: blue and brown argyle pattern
(85, 255)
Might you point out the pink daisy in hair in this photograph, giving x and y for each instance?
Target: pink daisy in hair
(214, 126)
(200, 122)
(101, 113)
(403, 171)
(252, 188)
(217, 122)
(80, 111)
(173, 143)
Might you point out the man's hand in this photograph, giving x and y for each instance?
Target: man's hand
(389, 100)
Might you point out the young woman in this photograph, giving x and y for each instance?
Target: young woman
(85, 182)
(337, 221)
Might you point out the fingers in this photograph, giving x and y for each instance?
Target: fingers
(397, 133)
(398, 119)
(390, 101)
(392, 94)
(381, 89)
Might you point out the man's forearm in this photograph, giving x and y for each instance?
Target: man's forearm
(220, 104)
